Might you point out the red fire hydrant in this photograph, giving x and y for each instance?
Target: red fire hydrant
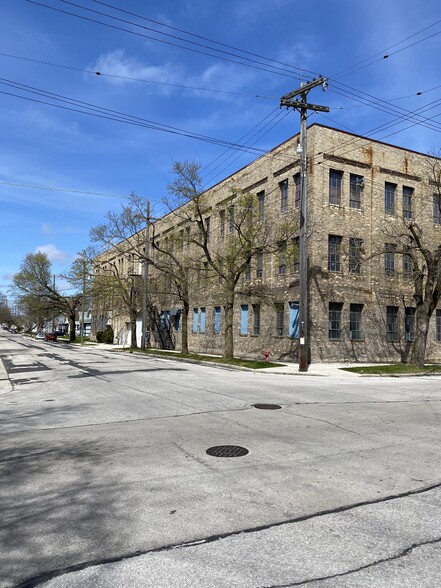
(266, 353)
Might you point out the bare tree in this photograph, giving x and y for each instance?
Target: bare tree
(243, 235)
(34, 285)
(414, 240)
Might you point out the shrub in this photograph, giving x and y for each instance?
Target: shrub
(107, 335)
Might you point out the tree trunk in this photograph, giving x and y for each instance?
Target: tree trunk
(72, 334)
(184, 328)
(422, 320)
(229, 334)
(133, 343)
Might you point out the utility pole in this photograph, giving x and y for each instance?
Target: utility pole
(145, 276)
(303, 106)
(82, 303)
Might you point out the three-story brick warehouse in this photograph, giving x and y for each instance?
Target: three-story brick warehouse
(360, 288)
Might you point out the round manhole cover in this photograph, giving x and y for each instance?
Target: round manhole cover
(267, 406)
(227, 451)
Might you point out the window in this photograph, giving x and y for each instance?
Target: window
(256, 319)
(247, 273)
(222, 223)
(282, 258)
(335, 311)
(407, 202)
(202, 321)
(259, 264)
(334, 253)
(437, 209)
(187, 236)
(389, 259)
(409, 323)
(244, 319)
(283, 196)
(389, 198)
(296, 254)
(297, 190)
(217, 320)
(354, 257)
(195, 320)
(232, 221)
(392, 323)
(355, 330)
(335, 184)
(407, 266)
(294, 325)
(438, 325)
(356, 184)
(261, 200)
(208, 227)
(280, 319)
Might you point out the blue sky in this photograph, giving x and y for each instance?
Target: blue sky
(62, 170)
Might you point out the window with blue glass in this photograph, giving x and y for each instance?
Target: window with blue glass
(202, 321)
(244, 319)
(294, 324)
(217, 320)
(195, 320)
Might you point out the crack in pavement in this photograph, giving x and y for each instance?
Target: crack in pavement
(399, 555)
(50, 575)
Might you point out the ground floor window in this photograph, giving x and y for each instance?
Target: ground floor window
(195, 320)
(244, 319)
(202, 321)
(294, 325)
(280, 320)
(217, 320)
(409, 323)
(355, 325)
(335, 312)
(256, 319)
(392, 333)
(438, 325)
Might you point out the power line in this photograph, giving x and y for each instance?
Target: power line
(300, 69)
(262, 66)
(134, 79)
(382, 53)
(63, 190)
(109, 114)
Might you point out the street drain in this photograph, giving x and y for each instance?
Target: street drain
(227, 451)
(267, 406)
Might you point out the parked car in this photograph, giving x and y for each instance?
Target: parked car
(40, 336)
(50, 337)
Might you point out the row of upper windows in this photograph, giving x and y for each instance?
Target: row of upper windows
(398, 325)
(354, 257)
(356, 186)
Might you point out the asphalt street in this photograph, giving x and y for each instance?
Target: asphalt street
(105, 479)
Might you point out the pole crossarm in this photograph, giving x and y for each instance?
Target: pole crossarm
(304, 89)
(305, 105)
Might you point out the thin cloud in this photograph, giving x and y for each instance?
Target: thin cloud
(54, 254)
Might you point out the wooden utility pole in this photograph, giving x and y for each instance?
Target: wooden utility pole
(303, 106)
(145, 276)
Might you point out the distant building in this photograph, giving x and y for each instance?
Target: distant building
(361, 305)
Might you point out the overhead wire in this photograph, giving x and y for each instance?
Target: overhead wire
(134, 79)
(261, 67)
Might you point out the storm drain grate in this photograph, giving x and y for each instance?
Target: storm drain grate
(267, 406)
(227, 451)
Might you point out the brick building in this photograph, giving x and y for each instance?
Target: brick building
(361, 305)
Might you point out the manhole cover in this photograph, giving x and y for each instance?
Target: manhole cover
(267, 406)
(227, 451)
